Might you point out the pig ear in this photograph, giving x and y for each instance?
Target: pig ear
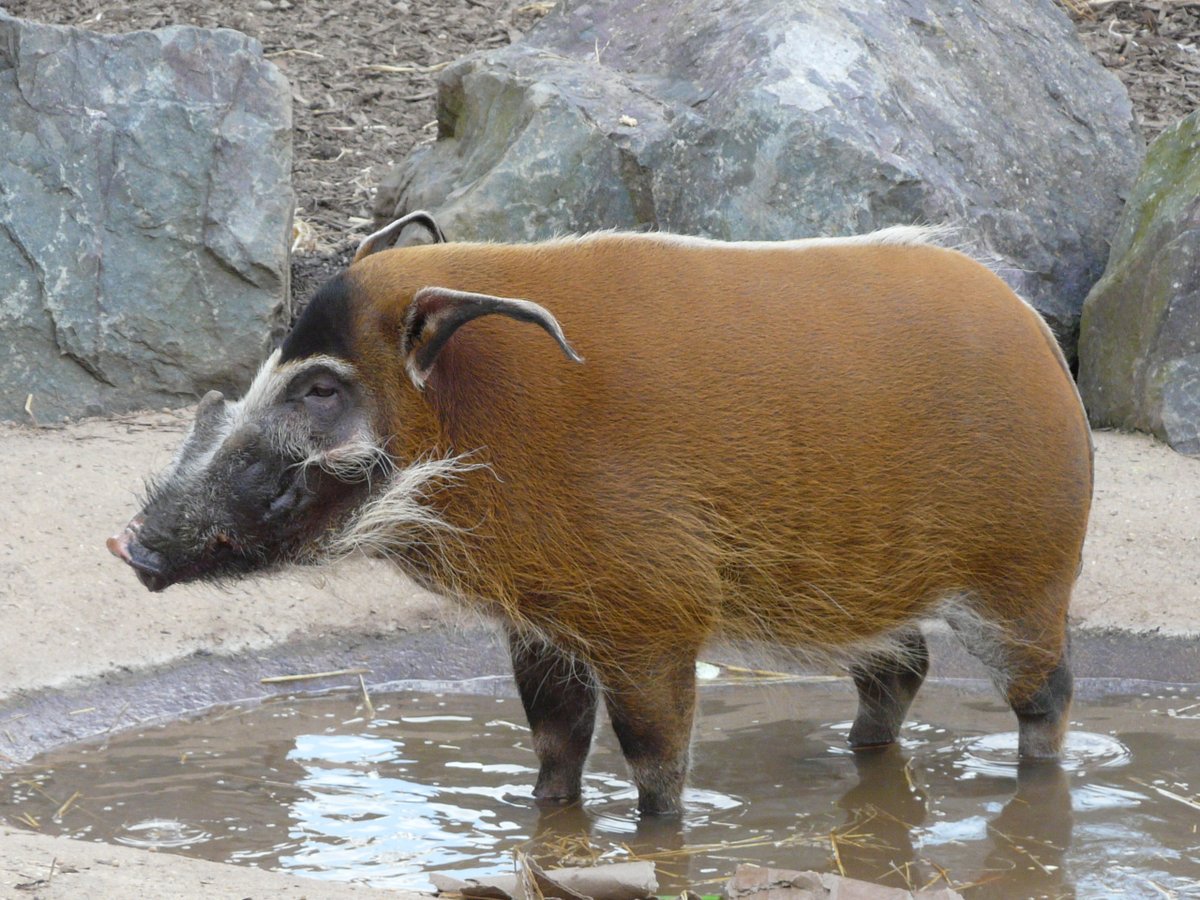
(387, 236)
(436, 313)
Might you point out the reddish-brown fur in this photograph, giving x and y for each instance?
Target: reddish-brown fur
(818, 446)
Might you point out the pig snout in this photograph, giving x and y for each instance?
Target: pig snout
(118, 544)
(149, 565)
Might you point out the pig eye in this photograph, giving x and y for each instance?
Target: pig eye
(321, 393)
(322, 397)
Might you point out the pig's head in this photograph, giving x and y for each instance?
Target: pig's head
(260, 480)
(308, 455)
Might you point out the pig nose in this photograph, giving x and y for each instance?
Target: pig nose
(150, 565)
(118, 544)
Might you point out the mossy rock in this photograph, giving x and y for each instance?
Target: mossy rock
(1139, 345)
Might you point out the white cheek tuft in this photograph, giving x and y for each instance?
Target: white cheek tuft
(399, 516)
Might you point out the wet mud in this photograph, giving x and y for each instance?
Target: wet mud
(436, 776)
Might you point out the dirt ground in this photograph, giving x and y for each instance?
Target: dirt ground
(1153, 46)
(363, 78)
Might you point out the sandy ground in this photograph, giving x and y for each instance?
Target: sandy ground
(72, 611)
(1141, 569)
(73, 615)
(38, 867)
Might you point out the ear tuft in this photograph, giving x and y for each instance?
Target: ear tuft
(437, 312)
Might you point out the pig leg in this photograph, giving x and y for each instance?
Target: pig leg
(1029, 658)
(1040, 684)
(1040, 695)
(651, 707)
(559, 696)
(887, 684)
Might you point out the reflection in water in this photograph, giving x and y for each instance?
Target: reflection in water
(883, 810)
(444, 782)
(571, 834)
(1032, 832)
(886, 812)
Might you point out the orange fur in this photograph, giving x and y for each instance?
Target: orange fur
(818, 445)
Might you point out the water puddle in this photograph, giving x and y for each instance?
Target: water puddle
(442, 781)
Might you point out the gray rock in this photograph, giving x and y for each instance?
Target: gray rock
(770, 119)
(1139, 344)
(145, 211)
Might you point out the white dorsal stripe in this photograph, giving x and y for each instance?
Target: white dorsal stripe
(894, 235)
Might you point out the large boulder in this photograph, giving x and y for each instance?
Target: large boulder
(1139, 344)
(769, 119)
(145, 206)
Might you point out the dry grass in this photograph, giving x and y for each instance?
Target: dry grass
(367, 704)
(311, 676)
(1080, 9)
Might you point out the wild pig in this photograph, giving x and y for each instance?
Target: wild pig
(817, 443)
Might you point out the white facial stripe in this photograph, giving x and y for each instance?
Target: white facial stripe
(272, 379)
(268, 385)
(262, 391)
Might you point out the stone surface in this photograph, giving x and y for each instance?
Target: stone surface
(1139, 347)
(145, 207)
(765, 120)
(752, 882)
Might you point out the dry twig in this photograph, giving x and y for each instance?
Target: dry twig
(311, 676)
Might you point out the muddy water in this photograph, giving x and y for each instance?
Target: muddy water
(440, 780)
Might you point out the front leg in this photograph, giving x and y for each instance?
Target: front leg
(559, 696)
(651, 704)
(887, 683)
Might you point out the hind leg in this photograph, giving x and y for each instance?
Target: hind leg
(887, 684)
(1040, 695)
(1029, 660)
(559, 695)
